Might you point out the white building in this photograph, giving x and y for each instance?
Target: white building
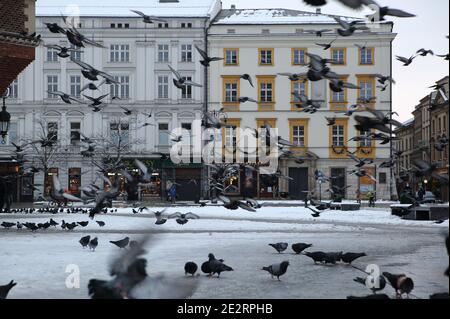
(137, 54)
(263, 43)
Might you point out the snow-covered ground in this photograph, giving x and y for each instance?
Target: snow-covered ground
(37, 261)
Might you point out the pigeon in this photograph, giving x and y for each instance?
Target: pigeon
(332, 258)
(121, 243)
(348, 258)
(280, 247)
(381, 11)
(181, 82)
(190, 268)
(316, 213)
(65, 97)
(159, 218)
(93, 244)
(405, 61)
(248, 78)
(331, 121)
(424, 52)
(294, 77)
(326, 46)
(78, 39)
(206, 59)
(130, 280)
(4, 290)
(100, 223)
(71, 226)
(401, 283)
(83, 224)
(217, 266)
(148, 19)
(277, 270)
(245, 99)
(63, 51)
(375, 286)
(7, 225)
(445, 56)
(300, 247)
(19, 225)
(347, 29)
(55, 28)
(382, 79)
(183, 218)
(84, 241)
(53, 223)
(317, 256)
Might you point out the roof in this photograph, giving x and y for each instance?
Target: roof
(274, 16)
(118, 8)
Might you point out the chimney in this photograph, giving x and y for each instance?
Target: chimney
(318, 11)
(233, 7)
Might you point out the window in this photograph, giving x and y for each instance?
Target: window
(75, 55)
(382, 178)
(231, 89)
(266, 92)
(119, 53)
(48, 181)
(52, 131)
(120, 134)
(127, 25)
(186, 25)
(299, 88)
(113, 25)
(74, 181)
(186, 91)
(365, 142)
(299, 56)
(11, 137)
(75, 131)
(163, 25)
(367, 87)
(338, 180)
(52, 86)
(14, 90)
(338, 97)
(231, 57)
(52, 55)
(75, 86)
(163, 134)
(163, 53)
(186, 53)
(298, 135)
(299, 132)
(163, 87)
(338, 135)
(366, 56)
(230, 136)
(338, 56)
(266, 57)
(121, 90)
(119, 25)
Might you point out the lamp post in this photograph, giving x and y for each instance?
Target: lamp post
(425, 182)
(5, 119)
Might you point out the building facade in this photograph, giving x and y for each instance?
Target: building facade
(404, 144)
(264, 43)
(439, 116)
(137, 55)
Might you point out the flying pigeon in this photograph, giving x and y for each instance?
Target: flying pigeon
(206, 59)
(4, 290)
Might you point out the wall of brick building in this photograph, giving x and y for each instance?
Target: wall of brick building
(13, 60)
(12, 16)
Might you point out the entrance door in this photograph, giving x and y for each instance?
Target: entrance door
(298, 186)
(338, 181)
(189, 181)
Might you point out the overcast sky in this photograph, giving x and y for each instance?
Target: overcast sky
(427, 30)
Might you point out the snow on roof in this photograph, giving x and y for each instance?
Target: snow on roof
(163, 8)
(274, 16)
(408, 122)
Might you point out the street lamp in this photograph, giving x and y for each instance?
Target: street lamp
(425, 182)
(5, 119)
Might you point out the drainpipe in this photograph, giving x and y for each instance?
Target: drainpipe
(205, 169)
(391, 144)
